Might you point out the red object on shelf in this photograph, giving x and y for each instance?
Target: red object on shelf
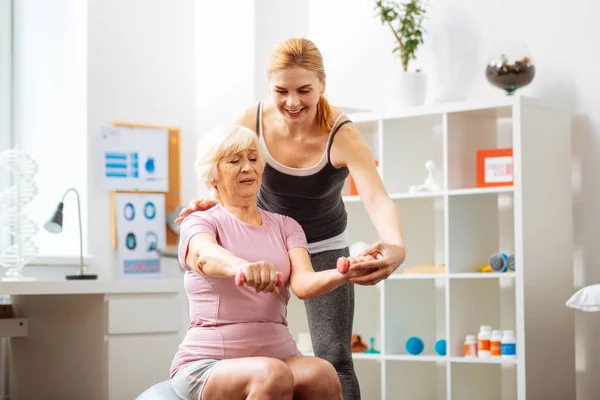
(495, 167)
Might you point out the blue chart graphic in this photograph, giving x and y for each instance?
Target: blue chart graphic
(150, 165)
(150, 210)
(135, 165)
(116, 165)
(129, 212)
(151, 241)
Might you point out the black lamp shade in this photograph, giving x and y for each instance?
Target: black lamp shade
(54, 224)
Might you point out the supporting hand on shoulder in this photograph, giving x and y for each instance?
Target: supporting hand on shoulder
(195, 205)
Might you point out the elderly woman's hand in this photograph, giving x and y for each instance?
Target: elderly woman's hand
(195, 205)
(260, 275)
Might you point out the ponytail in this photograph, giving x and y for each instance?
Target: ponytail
(324, 114)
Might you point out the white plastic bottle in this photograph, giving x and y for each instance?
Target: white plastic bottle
(483, 341)
(470, 346)
(509, 345)
(496, 344)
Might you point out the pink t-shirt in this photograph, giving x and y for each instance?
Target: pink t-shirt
(229, 321)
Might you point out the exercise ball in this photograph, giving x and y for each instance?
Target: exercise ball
(440, 347)
(414, 345)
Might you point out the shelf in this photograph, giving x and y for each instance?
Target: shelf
(482, 275)
(13, 327)
(398, 196)
(462, 226)
(427, 195)
(427, 358)
(474, 360)
(460, 275)
(363, 356)
(499, 106)
(479, 191)
(401, 276)
(355, 356)
(417, 358)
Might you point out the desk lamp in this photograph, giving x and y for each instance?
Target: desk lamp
(54, 225)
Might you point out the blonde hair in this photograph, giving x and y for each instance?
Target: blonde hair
(222, 142)
(301, 52)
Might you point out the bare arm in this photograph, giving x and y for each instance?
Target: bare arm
(207, 257)
(351, 150)
(305, 282)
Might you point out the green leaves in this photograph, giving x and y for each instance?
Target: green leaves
(405, 19)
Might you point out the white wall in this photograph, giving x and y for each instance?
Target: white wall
(274, 23)
(141, 68)
(224, 48)
(562, 39)
(232, 42)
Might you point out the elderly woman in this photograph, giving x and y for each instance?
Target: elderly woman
(238, 344)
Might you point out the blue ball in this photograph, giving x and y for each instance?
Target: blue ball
(414, 345)
(440, 347)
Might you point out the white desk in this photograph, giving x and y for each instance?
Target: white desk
(94, 339)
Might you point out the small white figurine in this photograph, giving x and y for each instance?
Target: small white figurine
(429, 185)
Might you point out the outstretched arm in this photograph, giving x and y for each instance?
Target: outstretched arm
(306, 283)
(207, 257)
(351, 150)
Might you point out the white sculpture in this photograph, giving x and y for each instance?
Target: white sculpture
(13, 222)
(430, 185)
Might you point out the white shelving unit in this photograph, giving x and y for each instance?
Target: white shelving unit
(461, 226)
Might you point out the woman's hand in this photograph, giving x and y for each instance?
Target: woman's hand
(386, 258)
(195, 205)
(260, 275)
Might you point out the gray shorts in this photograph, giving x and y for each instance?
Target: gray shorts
(189, 381)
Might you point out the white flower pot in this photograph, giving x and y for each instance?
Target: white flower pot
(407, 89)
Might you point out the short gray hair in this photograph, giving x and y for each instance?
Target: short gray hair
(221, 142)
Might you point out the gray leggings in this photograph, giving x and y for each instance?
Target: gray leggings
(330, 318)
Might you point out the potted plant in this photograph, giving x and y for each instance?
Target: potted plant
(405, 20)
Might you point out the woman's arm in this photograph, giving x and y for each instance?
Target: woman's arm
(305, 282)
(207, 257)
(351, 150)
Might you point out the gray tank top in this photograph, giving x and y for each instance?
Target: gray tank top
(312, 196)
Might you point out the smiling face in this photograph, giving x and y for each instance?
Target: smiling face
(240, 176)
(295, 93)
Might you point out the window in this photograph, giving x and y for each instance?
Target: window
(49, 85)
(5, 99)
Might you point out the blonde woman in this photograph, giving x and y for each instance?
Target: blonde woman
(310, 148)
(238, 344)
